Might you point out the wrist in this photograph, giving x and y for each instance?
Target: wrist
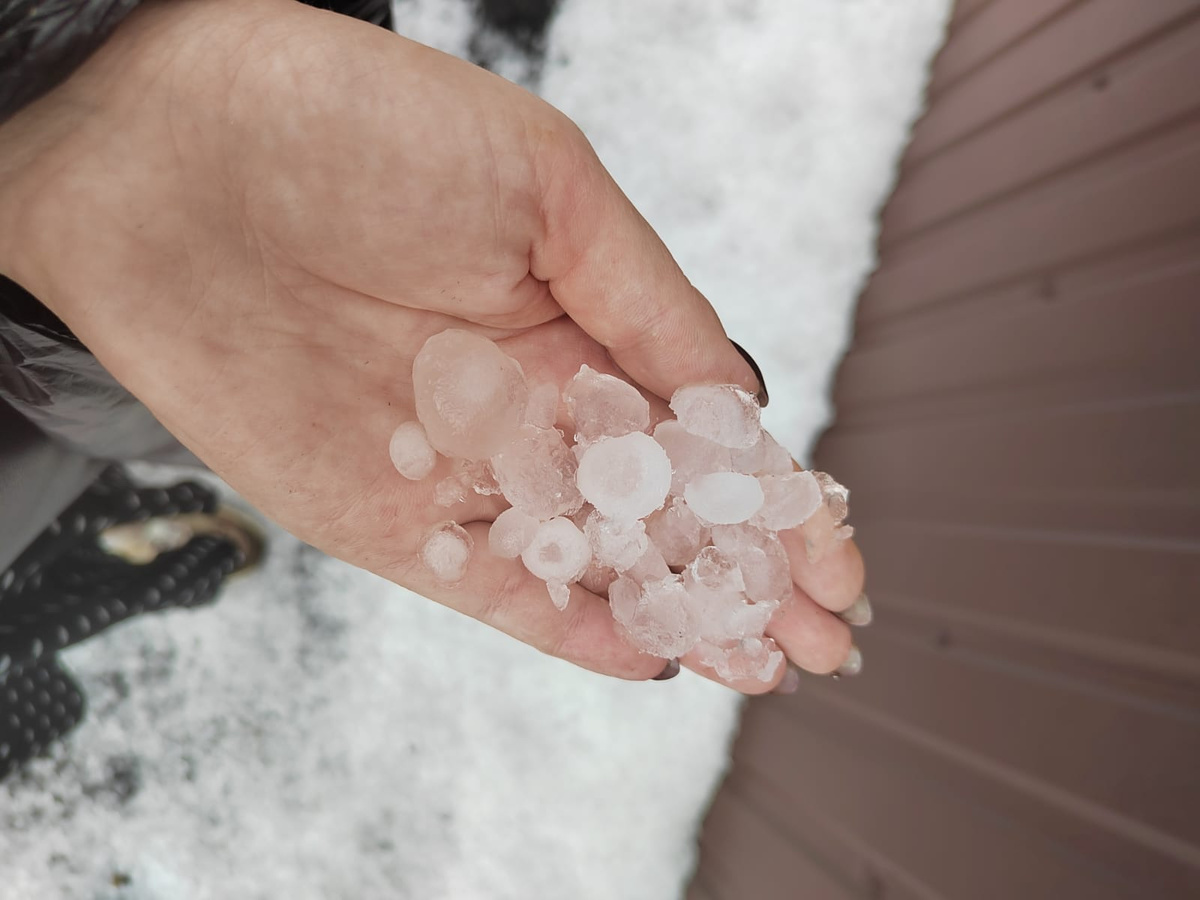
(78, 163)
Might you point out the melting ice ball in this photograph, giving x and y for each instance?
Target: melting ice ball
(558, 554)
(724, 498)
(604, 406)
(723, 413)
(470, 396)
(410, 451)
(625, 477)
(511, 533)
(446, 550)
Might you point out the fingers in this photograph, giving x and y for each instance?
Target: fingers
(835, 581)
(613, 275)
(813, 638)
(503, 594)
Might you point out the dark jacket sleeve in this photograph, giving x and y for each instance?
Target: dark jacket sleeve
(43, 41)
(60, 411)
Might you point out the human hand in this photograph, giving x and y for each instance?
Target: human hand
(254, 214)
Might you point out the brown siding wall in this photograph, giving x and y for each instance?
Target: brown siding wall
(1019, 419)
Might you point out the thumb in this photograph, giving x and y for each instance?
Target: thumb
(611, 273)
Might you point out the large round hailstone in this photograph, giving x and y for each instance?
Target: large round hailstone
(446, 550)
(470, 397)
(724, 498)
(625, 477)
(558, 553)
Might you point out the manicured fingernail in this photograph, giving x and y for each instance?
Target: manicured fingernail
(859, 613)
(852, 665)
(789, 684)
(669, 671)
(763, 397)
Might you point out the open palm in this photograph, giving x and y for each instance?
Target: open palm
(270, 209)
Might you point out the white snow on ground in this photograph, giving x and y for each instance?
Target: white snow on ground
(319, 733)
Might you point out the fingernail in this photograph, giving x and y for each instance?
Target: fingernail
(853, 664)
(763, 397)
(789, 684)
(859, 612)
(670, 670)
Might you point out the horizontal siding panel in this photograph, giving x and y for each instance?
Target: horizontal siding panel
(981, 683)
(1095, 276)
(1064, 452)
(1088, 597)
(872, 873)
(1085, 118)
(985, 34)
(1093, 331)
(968, 833)
(1090, 35)
(1091, 211)
(748, 857)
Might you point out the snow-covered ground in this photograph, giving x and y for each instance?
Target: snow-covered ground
(322, 734)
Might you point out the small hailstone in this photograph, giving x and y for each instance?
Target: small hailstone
(625, 477)
(511, 533)
(480, 476)
(470, 396)
(615, 543)
(450, 490)
(777, 460)
(788, 500)
(723, 413)
(624, 594)
(411, 453)
(717, 571)
(649, 566)
(536, 473)
(765, 457)
(558, 553)
(691, 456)
(728, 617)
(756, 659)
(762, 559)
(560, 593)
(724, 498)
(662, 621)
(604, 406)
(445, 552)
(836, 496)
(824, 526)
(749, 461)
(676, 532)
(542, 409)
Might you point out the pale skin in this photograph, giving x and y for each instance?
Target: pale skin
(255, 213)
